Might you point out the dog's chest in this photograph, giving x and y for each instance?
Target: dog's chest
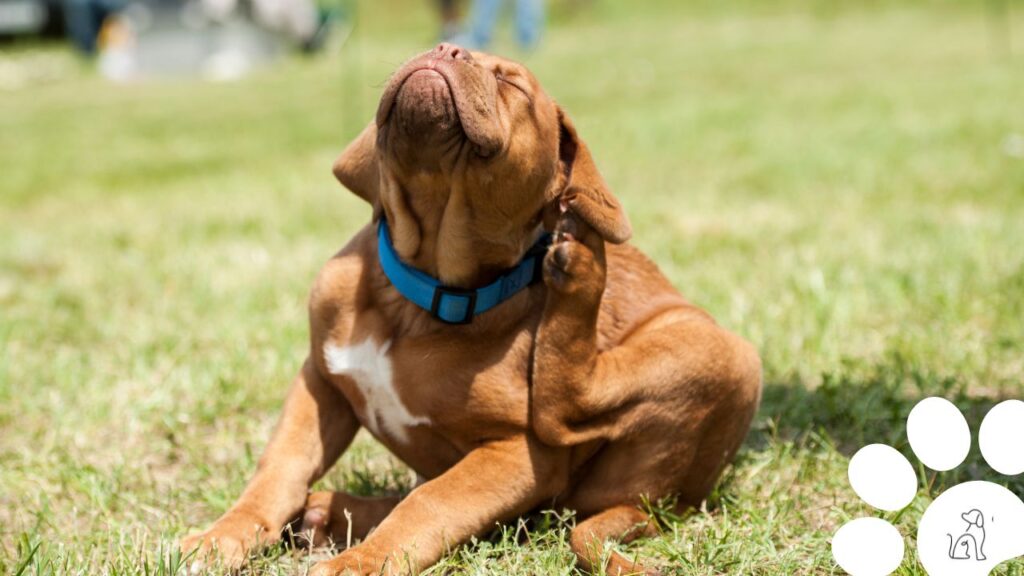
(370, 367)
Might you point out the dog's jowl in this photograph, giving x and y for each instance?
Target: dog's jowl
(492, 327)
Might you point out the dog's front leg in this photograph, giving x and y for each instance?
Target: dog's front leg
(317, 424)
(495, 482)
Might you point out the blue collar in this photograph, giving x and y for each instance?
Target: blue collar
(457, 305)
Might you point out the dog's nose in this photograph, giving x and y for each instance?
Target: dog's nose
(446, 51)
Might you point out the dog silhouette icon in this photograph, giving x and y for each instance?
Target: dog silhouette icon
(970, 544)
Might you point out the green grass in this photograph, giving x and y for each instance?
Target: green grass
(836, 182)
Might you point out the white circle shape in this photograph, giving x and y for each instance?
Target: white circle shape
(939, 434)
(882, 477)
(868, 547)
(1000, 437)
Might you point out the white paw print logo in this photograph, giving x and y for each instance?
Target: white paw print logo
(970, 528)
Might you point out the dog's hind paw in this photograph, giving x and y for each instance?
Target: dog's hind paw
(575, 261)
(967, 530)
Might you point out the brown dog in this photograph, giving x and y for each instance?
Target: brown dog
(589, 391)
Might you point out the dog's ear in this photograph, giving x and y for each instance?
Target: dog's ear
(357, 168)
(585, 191)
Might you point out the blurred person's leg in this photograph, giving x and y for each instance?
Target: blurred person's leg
(485, 16)
(83, 19)
(529, 22)
(449, 19)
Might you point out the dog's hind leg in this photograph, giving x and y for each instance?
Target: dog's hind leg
(622, 523)
(342, 518)
(674, 378)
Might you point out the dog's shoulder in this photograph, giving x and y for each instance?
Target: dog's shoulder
(343, 285)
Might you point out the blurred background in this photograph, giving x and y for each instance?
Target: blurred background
(840, 182)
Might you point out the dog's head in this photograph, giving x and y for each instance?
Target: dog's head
(468, 159)
(974, 517)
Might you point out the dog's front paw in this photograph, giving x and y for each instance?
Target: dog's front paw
(355, 562)
(575, 261)
(227, 543)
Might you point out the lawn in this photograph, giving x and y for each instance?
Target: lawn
(841, 183)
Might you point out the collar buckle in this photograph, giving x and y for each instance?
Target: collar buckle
(441, 291)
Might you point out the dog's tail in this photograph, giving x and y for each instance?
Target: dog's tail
(951, 551)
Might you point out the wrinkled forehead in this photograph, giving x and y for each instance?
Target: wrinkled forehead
(505, 66)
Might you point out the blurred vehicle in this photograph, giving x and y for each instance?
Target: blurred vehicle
(148, 39)
(31, 18)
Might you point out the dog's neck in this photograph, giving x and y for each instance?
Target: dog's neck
(456, 257)
(437, 233)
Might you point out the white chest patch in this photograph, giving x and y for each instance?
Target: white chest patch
(369, 366)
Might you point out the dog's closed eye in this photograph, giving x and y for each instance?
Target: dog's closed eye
(504, 79)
